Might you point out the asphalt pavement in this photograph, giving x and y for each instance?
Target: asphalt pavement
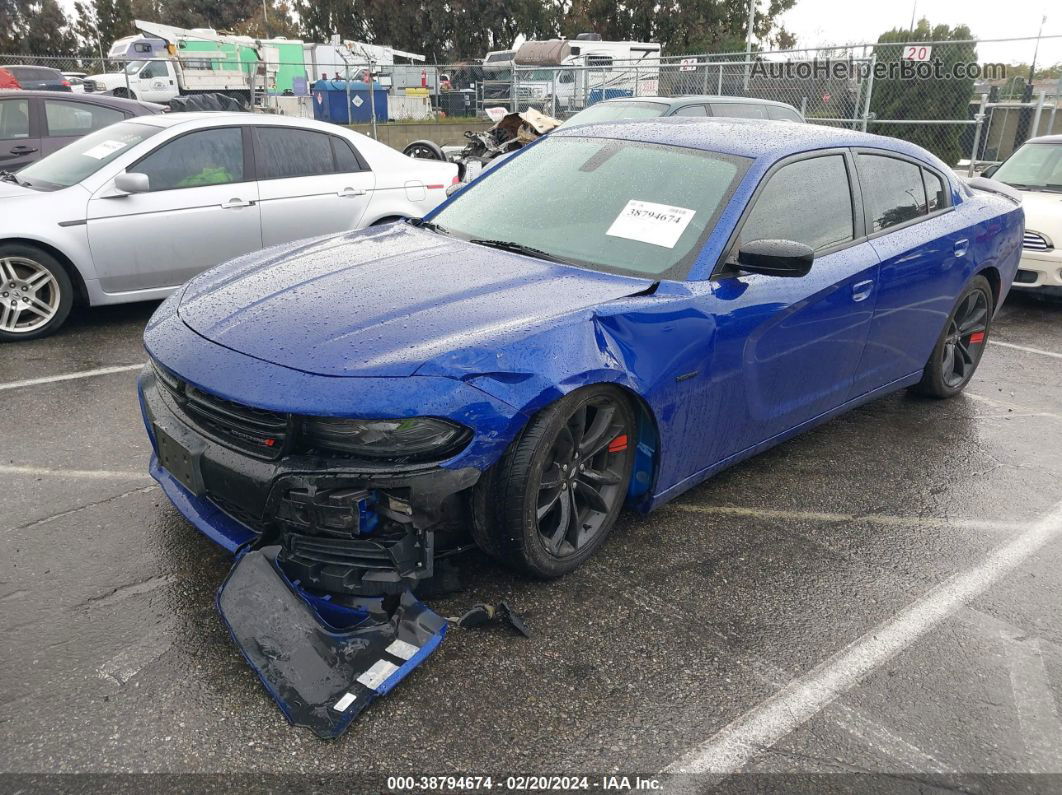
(878, 597)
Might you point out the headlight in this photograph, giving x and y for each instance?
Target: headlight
(409, 438)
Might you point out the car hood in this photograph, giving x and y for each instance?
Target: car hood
(9, 190)
(384, 301)
(1043, 212)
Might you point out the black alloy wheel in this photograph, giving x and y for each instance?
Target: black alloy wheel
(962, 342)
(553, 498)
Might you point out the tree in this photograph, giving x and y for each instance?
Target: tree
(935, 97)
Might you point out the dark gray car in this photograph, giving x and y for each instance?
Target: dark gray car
(36, 123)
(42, 78)
(629, 108)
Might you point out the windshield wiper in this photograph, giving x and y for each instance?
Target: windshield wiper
(518, 248)
(7, 176)
(420, 223)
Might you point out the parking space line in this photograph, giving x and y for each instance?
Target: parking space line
(886, 520)
(51, 379)
(1026, 410)
(1037, 712)
(731, 748)
(86, 474)
(848, 718)
(1027, 349)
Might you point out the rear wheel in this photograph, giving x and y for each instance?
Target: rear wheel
(36, 293)
(555, 495)
(958, 350)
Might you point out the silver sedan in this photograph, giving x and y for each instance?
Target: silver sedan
(131, 212)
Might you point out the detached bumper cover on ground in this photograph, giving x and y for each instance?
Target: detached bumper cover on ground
(322, 662)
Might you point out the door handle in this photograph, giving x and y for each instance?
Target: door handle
(233, 204)
(350, 193)
(22, 149)
(861, 290)
(961, 246)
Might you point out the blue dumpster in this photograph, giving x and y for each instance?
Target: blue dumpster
(599, 94)
(330, 102)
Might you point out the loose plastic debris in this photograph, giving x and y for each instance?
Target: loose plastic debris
(321, 661)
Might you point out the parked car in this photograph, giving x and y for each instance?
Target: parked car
(1035, 169)
(631, 108)
(610, 317)
(8, 80)
(130, 212)
(77, 81)
(42, 78)
(33, 124)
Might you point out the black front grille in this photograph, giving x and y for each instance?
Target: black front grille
(90, 86)
(259, 432)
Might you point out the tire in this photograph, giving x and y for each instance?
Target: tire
(36, 293)
(522, 520)
(424, 150)
(958, 351)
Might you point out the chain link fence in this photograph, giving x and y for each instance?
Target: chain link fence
(940, 95)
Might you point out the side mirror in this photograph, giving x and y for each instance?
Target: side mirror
(991, 170)
(132, 182)
(776, 257)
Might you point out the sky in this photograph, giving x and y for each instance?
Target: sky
(822, 22)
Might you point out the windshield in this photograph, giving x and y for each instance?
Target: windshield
(1033, 166)
(617, 206)
(85, 156)
(611, 111)
(133, 67)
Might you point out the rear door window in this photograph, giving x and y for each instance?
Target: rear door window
(935, 193)
(739, 110)
(779, 113)
(285, 153)
(67, 119)
(809, 201)
(892, 190)
(14, 119)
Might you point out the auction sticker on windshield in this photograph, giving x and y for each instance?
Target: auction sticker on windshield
(105, 149)
(649, 222)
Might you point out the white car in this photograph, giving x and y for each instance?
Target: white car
(132, 211)
(1036, 170)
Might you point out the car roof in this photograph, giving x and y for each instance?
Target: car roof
(70, 96)
(692, 99)
(221, 118)
(753, 138)
(1046, 139)
(31, 66)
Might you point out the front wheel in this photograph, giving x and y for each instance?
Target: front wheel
(555, 495)
(958, 350)
(36, 293)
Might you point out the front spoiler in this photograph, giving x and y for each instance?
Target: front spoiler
(322, 662)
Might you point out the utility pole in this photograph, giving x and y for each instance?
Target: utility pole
(265, 18)
(748, 42)
(1036, 49)
(914, 10)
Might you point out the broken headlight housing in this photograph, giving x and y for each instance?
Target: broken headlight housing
(405, 439)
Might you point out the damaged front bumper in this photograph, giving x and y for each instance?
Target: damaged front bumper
(323, 662)
(340, 527)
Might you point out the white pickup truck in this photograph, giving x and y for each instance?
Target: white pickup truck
(162, 80)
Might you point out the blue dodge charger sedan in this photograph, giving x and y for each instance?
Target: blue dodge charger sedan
(612, 316)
